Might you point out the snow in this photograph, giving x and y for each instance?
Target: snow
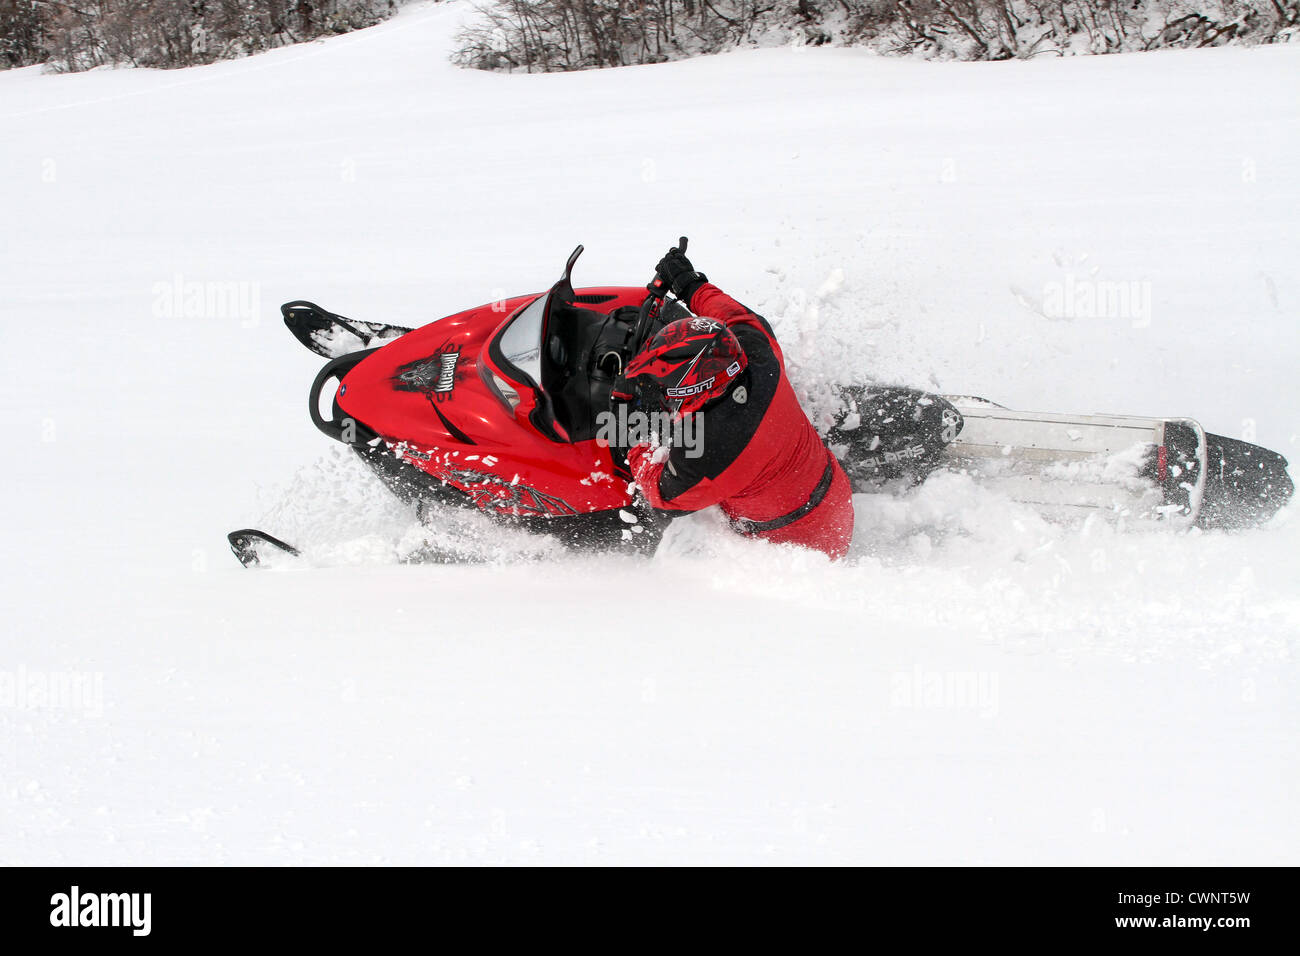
(973, 685)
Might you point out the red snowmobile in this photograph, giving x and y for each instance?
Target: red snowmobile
(497, 408)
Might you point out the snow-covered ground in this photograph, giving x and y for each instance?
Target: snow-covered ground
(972, 686)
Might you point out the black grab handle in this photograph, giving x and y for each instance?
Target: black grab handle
(334, 425)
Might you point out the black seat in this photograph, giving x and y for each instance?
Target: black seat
(584, 352)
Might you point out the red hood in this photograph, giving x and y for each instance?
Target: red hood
(431, 395)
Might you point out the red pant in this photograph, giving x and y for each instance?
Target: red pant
(827, 527)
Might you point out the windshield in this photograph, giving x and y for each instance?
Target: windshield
(521, 342)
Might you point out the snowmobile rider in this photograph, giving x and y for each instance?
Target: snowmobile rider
(760, 459)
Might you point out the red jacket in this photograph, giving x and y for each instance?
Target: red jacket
(762, 462)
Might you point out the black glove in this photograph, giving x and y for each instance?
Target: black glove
(676, 274)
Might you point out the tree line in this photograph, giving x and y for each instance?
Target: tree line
(72, 35)
(550, 35)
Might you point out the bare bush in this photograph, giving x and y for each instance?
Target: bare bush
(549, 35)
(72, 35)
(22, 33)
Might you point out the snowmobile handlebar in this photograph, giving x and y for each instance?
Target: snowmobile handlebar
(657, 290)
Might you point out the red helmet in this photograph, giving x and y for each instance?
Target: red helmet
(686, 365)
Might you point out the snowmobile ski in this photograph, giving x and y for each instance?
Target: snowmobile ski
(254, 548)
(333, 336)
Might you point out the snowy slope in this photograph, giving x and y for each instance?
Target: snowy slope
(972, 686)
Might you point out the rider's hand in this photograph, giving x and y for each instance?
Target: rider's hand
(676, 274)
(647, 464)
